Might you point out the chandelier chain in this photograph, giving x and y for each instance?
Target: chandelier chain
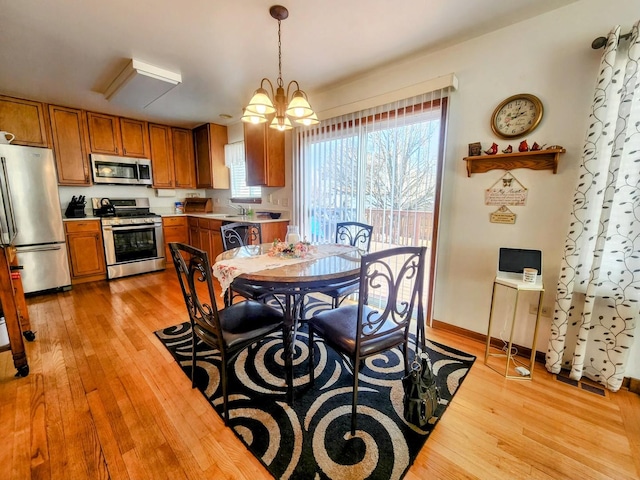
(280, 82)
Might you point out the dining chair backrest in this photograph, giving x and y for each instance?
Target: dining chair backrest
(239, 234)
(355, 234)
(391, 283)
(195, 276)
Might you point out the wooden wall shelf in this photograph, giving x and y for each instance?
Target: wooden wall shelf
(538, 160)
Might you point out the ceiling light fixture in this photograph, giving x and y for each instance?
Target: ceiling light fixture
(261, 106)
(141, 84)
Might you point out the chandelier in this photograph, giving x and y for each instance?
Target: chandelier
(286, 109)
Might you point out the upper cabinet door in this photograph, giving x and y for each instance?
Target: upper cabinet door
(264, 155)
(104, 133)
(161, 156)
(70, 145)
(183, 158)
(24, 119)
(211, 171)
(135, 138)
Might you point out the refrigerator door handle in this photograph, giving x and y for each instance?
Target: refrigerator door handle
(46, 248)
(8, 229)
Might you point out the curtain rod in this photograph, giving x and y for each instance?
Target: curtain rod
(602, 41)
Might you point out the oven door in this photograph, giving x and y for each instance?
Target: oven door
(132, 249)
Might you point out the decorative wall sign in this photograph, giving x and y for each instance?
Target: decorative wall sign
(502, 215)
(506, 191)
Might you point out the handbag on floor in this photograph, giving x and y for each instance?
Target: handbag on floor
(420, 391)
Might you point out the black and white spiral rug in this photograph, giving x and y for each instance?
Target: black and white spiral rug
(312, 439)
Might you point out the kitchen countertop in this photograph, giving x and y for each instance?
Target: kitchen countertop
(216, 216)
(228, 217)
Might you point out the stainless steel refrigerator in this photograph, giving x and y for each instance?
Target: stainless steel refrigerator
(31, 217)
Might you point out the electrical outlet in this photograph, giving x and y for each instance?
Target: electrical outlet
(285, 202)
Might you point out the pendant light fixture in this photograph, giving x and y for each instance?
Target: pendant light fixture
(286, 109)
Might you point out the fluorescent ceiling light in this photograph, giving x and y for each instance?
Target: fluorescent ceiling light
(141, 84)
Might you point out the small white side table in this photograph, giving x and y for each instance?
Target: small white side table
(490, 351)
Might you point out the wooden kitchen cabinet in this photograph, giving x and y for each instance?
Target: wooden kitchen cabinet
(111, 135)
(273, 230)
(161, 156)
(86, 251)
(211, 171)
(135, 139)
(264, 155)
(68, 130)
(184, 165)
(174, 229)
(104, 134)
(26, 120)
(194, 232)
(204, 234)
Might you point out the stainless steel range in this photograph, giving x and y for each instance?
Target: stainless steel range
(133, 239)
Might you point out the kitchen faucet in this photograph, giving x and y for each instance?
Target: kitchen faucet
(243, 211)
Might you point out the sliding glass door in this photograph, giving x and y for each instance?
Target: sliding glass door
(378, 167)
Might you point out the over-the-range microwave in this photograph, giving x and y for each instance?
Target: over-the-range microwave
(121, 170)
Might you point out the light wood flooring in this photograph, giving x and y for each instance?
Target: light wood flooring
(105, 399)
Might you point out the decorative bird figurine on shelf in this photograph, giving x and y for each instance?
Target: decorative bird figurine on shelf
(492, 150)
(523, 147)
(535, 147)
(509, 149)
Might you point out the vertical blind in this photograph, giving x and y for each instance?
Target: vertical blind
(377, 166)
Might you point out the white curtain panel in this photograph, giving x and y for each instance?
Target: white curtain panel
(234, 154)
(598, 294)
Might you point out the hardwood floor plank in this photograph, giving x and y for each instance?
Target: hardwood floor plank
(40, 466)
(105, 399)
(21, 459)
(113, 458)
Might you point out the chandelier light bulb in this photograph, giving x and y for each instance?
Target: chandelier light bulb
(310, 120)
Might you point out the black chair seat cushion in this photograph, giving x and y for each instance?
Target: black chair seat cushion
(338, 328)
(340, 291)
(250, 291)
(244, 322)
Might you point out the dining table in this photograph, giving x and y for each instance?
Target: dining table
(288, 280)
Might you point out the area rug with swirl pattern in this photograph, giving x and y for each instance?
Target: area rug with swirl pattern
(311, 439)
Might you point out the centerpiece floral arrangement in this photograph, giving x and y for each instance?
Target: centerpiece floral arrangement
(290, 250)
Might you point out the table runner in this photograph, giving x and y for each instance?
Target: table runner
(227, 270)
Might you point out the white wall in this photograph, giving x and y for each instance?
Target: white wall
(159, 204)
(549, 56)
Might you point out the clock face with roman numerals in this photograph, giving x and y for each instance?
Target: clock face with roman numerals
(517, 116)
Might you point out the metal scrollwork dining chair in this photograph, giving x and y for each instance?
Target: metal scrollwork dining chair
(357, 235)
(239, 234)
(391, 284)
(230, 330)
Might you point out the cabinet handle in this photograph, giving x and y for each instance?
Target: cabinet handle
(124, 151)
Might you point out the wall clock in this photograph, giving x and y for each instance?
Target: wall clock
(516, 116)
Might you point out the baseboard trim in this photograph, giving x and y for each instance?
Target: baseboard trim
(496, 342)
(632, 384)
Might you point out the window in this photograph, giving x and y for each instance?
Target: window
(379, 168)
(240, 191)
